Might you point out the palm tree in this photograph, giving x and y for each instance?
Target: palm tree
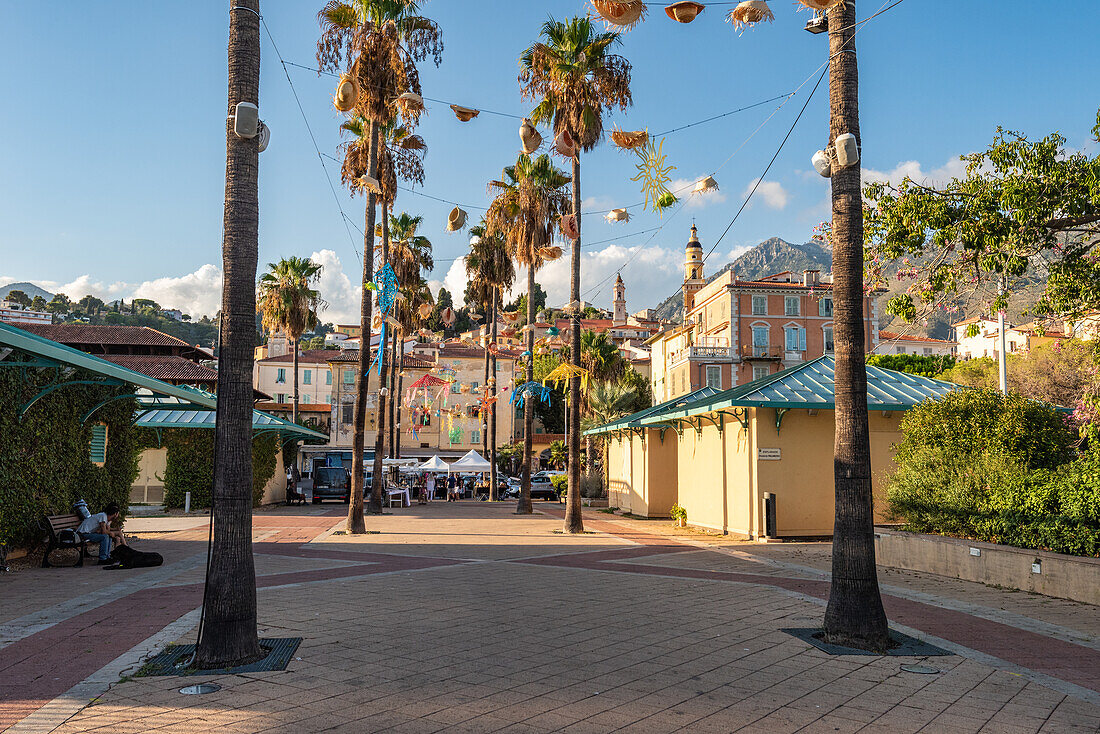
(529, 200)
(606, 401)
(491, 272)
(227, 634)
(289, 305)
(575, 79)
(377, 42)
(855, 615)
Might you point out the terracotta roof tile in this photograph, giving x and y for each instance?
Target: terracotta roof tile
(112, 334)
(164, 367)
(912, 338)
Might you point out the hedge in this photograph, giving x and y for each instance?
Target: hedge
(190, 465)
(45, 459)
(981, 466)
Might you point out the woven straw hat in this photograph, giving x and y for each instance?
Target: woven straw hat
(684, 11)
(550, 253)
(628, 140)
(456, 220)
(529, 136)
(707, 184)
(347, 93)
(749, 13)
(465, 114)
(621, 13)
(370, 183)
(819, 4)
(447, 316)
(569, 226)
(565, 144)
(410, 101)
(510, 317)
(617, 215)
(425, 310)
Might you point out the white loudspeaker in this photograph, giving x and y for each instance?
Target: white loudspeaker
(264, 137)
(822, 164)
(847, 151)
(246, 120)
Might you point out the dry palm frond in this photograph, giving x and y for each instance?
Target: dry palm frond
(464, 114)
(569, 227)
(749, 13)
(819, 4)
(456, 220)
(684, 11)
(620, 13)
(629, 140)
(529, 136)
(347, 93)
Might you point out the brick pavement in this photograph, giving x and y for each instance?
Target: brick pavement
(510, 627)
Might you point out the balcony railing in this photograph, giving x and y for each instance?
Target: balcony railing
(753, 351)
(720, 352)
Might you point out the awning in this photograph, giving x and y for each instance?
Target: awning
(158, 418)
(634, 420)
(433, 464)
(472, 461)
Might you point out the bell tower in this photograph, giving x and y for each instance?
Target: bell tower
(619, 301)
(693, 270)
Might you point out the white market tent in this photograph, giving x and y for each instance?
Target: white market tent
(433, 464)
(471, 462)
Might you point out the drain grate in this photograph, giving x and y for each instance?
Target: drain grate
(173, 659)
(906, 646)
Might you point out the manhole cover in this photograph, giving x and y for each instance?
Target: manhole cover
(200, 689)
(920, 669)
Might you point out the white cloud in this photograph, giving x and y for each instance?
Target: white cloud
(954, 168)
(652, 274)
(337, 290)
(772, 192)
(454, 281)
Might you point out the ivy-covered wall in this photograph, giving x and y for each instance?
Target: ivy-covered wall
(190, 465)
(45, 460)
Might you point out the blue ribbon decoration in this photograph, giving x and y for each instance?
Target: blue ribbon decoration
(386, 281)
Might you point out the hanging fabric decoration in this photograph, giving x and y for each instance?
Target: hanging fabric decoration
(565, 145)
(620, 13)
(553, 331)
(550, 253)
(447, 316)
(456, 220)
(369, 183)
(424, 311)
(707, 184)
(347, 93)
(749, 13)
(510, 317)
(629, 140)
(617, 215)
(565, 372)
(529, 136)
(684, 11)
(534, 389)
(569, 227)
(465, 114)
(819, 4)
(655, 174)
(410, 102)
(386, 280)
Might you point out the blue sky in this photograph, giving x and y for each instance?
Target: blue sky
(112, 162)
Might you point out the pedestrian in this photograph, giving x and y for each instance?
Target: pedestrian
(429, 487)
(452, 488)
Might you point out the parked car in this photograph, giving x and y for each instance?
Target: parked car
(333, 483)
(543, 488)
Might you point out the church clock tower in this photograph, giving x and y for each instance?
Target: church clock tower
(619, 301)
(693, 270)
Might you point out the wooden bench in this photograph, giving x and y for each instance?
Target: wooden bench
(54, 524)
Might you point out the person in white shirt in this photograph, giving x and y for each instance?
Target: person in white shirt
(97, 529)
(429, 487)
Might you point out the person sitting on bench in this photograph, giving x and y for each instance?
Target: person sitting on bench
(97, 529)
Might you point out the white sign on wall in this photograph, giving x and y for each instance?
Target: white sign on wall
(763, 454)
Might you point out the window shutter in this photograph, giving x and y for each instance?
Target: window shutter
(802, 339)
(98, 444)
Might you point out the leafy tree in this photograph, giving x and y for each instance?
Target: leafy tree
(606, 401)
(38, 304)
(59, 305)
(19, 297)
(146, 305)
(1020, 204)
(519, 303)
(915, 364)
(91, 305)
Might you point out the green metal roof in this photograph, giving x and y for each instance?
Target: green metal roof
(810, 385)
(161, 417)
(634, 420)
(47, 353)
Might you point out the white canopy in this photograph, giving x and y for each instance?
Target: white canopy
(398, 462)
(433, 464)
(472, 461)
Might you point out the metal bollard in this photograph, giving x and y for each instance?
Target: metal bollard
(187, 502)
(769, 515)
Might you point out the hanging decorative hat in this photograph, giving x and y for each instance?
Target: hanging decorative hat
(684, 11)
(508, 333)
(565, 144)
(553, 331)
(617, 215)
(550, 253)
(376, 322)
(621, 13)
(447, 316)
(410, 102)
(819, 4)
(474, 315)
(529, 136)
(749, 13)
(629, 140)
(464, 388)
(569, 226)
(370, 183)
(707, 184)
(465, 114)
(425, 332)
(510, 317)
(456, 220)
(347, 93)
(424, 311)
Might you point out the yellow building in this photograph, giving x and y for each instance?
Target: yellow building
(718, 453)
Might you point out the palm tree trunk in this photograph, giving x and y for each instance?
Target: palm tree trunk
(362, 377)
(573, 521)
(493, 407)
(855, 615)
(485, 382)
(294, 407)
(397, 398)
(227, 632)
(375, 506)
(524, 506)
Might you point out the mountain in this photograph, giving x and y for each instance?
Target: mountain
(771, 256)
(29, 288)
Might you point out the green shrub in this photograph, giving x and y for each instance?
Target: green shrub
(977, 465)
(592, 486)
(560, 483)
(190, 466)
(676, 512)
(914, 364)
